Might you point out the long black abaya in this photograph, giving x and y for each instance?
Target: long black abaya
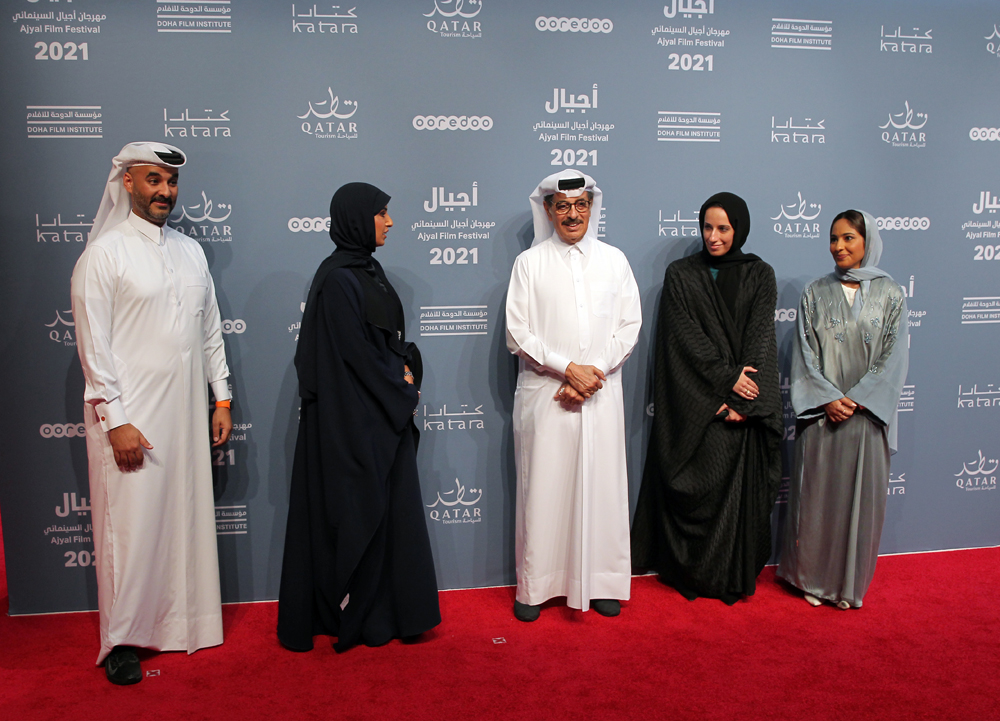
(357, 559)
(703, 516)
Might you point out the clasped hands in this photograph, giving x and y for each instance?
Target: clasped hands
(841, 410)
(582, 381)
(745, 388)
(127, 441)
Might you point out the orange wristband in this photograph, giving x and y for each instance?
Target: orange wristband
(224, 404)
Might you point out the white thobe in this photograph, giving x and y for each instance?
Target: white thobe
(576, 303)
(150, 342)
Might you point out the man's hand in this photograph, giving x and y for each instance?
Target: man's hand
(840, 410)
(585, 380)
(127, 443)
(568, 396)
(744, 386)
(222, 425)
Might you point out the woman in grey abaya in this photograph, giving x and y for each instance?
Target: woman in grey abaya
(848, 370)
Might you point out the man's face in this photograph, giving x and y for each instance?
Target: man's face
(153, 190)
(571, 222)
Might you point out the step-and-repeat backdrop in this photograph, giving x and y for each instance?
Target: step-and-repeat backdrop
(457, 108)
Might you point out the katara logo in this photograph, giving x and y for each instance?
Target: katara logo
(689, 7)
(448, 28)
(58, 335)
(904, 126)
(792, 220)
(331, 128)
(978, 477)
(456, 508)
(202, 221)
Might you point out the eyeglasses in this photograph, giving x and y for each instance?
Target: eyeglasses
(563, 206)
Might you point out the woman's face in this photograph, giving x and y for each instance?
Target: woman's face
(382, 224)
(847, 245)
(717, 232)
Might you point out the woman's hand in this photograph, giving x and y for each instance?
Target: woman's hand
(731, 416)
(407, 374)
(840, 410)
(744, 386)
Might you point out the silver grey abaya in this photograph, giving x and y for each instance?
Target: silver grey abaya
(839, 485)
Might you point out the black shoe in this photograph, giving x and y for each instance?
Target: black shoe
(526, 613)
(607, 606)
(122, 666)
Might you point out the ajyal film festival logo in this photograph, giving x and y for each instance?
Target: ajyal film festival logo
(459, 505)
(330, 118)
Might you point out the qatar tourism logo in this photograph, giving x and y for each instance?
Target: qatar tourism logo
(453, 18)
(459, 505)
(330, 118)
(905, 129)
(62, 330)
(206, 221)
(978, 475)
(794, 221)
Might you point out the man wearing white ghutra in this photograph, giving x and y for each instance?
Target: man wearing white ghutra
(150, 343)
(573, 318)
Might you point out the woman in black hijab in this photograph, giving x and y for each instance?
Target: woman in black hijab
(713, 466)
(357, 561)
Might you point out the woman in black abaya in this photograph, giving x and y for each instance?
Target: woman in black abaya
(713, 466)
(357, 560)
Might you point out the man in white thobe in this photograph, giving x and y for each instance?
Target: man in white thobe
(573, 317)
(150, 343)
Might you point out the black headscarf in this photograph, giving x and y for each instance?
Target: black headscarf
(352, 228)
(728, 264)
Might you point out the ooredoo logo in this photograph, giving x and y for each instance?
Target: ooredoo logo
(62, 430)
(984, 134)
(783, 315)
(307, 225)
(234, 326)
(452, 122)
(574, 25)
(913, 223)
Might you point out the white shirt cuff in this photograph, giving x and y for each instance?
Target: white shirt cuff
(557, 362)
(220, 389)
(111, 414)
(605, 368)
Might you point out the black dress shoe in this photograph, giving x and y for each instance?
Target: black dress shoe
(526, 613)
(607, 606)
(122, 666)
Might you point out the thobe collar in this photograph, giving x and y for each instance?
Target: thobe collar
(149, 231)
(585, 244)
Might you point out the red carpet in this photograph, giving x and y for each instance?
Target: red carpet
(926, 645)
